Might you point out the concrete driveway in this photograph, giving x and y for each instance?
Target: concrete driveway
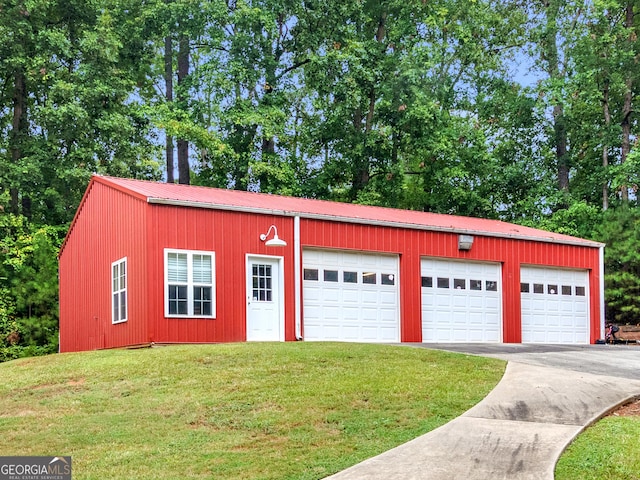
(611, 360)
(548, 395)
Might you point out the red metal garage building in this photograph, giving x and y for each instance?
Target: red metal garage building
(148, 262)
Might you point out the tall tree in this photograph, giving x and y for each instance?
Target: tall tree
(183, 99)
(168, 80)
(396, 86)
(630, 82)
(71, 79)
(602, 57)
(249, 69)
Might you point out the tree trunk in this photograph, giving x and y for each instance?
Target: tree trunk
(627, 103)
(168, 80)
(18, 131)
(183, 72)
(550, 53)
(605, 147)
(560, 134)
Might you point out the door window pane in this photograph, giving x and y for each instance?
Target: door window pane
(369, 278)
(330, 275)
(311, 274)
(459, 283)
(350, 277)
(262, 283)
(388, 279)
(427, 282)
(443, 282)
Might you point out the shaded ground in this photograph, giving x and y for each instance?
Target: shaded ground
(629, 410)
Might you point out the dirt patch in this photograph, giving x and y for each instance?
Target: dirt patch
(629, 410)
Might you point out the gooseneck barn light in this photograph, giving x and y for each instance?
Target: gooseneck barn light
(275, 241)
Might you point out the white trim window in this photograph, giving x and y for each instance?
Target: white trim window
(189, 284)
(119, 306)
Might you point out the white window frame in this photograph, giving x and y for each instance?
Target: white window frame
(190, 284)
(117, 290)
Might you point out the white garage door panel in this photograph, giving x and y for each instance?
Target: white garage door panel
(350, 296)
(554, 305)
(330, 295)
(461, 301)
(339, 305)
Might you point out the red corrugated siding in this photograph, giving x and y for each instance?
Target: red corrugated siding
(232, 236)
(109, 226)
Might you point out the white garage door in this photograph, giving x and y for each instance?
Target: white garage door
(350, 296)
(555, 305)
(461, 301)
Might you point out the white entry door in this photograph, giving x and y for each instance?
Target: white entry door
(265, 307)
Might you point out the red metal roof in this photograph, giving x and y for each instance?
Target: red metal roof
(215, 198)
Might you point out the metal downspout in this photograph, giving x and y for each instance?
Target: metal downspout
(297, 265)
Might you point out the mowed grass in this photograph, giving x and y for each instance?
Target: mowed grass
(232, 411)
(607, 450)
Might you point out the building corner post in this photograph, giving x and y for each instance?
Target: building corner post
(601, 274)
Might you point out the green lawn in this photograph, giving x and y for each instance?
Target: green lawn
(608, 450)
(232, 411)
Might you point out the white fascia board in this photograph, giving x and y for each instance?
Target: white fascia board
(367, 221)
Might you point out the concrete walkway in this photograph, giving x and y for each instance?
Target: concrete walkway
(517, 432)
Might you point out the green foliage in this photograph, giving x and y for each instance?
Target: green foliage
(28, 287)
(9, 328)
(73, 68)
(620, 230)
(578, 220)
